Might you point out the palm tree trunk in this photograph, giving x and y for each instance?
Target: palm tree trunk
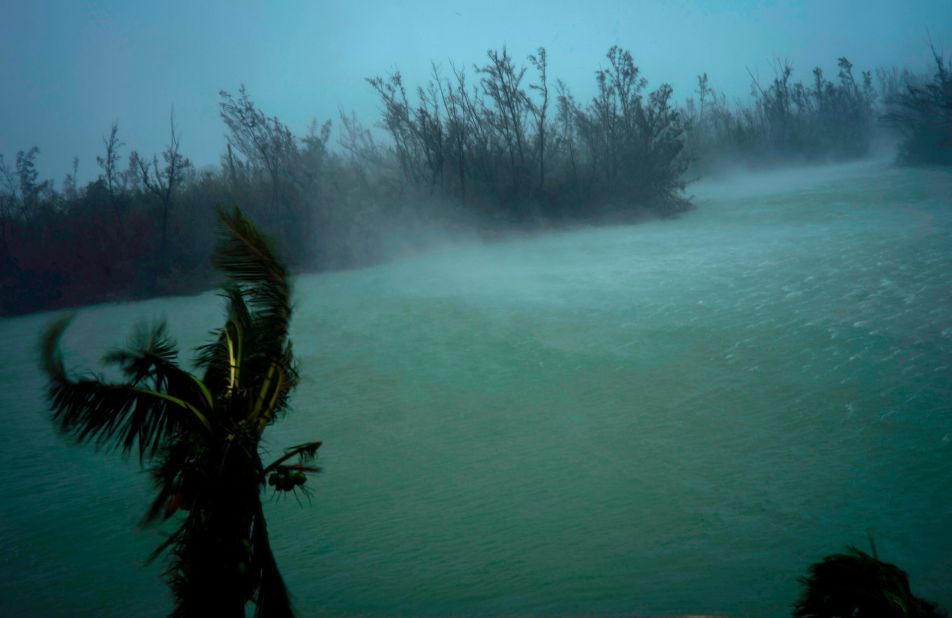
(213, 573)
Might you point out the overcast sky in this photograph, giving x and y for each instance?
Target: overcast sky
(68, 69)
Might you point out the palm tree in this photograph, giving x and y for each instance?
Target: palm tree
(860, 585)
(201, 435)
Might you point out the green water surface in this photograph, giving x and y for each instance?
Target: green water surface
(676, 416)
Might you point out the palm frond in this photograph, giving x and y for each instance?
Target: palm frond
(273, 393)
(857, 584)
(203, 434)
(168, 543)
(223, 358)
(249, 261)
(111, 415)
(159, 507)
(150, 348)
(177, 477)
(306, 453)
(290, 383)
(150, 356)
(218, 356)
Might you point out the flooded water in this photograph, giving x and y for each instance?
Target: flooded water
(677, 416)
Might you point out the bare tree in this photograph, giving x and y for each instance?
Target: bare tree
(399, 122)
(457, 129)
(265, 143)
(539, 110)
(8, 207)
(162, 183)
(70, 190)
(502, 83)
(111, 177)
(32, 190)
(430, 130)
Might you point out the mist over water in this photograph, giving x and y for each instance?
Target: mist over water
(676, 416)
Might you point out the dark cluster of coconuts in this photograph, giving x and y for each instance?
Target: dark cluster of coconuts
(286, 479)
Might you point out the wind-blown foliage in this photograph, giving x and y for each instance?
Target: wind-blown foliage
(486, 148)
(496, 145)
(787, 120)
(922, 114)
(262, 151)
(858, 585)
(202, 434)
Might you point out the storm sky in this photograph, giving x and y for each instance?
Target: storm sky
(69, 69)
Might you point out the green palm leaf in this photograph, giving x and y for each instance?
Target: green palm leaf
(203, 435)
(150, 350)
(124, 415)
(251, 264)
(225, 353)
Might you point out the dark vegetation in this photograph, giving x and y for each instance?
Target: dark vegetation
(922, 114)
(503, 146)
(201, 434)
(862, 586)
(787, 120)
(516, 148)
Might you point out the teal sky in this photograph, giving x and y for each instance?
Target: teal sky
(69, 69)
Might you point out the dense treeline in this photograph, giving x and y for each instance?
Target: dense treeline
(145, 225)
(922, 114)
(504, 145)
(787, 120)
(519, 147)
